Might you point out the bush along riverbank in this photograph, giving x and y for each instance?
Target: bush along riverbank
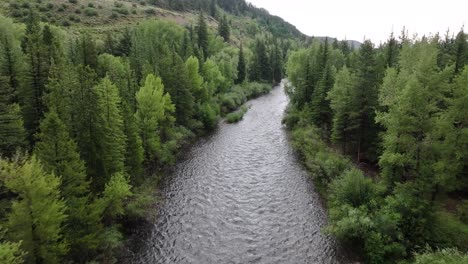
(404, 119)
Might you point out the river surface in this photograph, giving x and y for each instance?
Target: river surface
(241, 196)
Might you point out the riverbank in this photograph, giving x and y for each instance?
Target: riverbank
(362, 215)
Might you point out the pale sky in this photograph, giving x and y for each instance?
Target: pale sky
(372, 19)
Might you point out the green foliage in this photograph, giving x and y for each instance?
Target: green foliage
(110, 124)
(444, 256)
(38, 215)
(236, 116)
(223, 28)
(154, 109)
(241, 67)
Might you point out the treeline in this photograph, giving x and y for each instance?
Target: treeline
(399, 113)
(84, 121)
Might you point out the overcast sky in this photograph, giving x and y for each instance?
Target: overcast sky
(372, 19)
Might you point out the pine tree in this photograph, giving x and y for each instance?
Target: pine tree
(110, 124)
(37, 217)
(153, 108)
(36, 76)
(391, 52)
(451, 130)
(320, 105)
(342, 103)
(366, 96)
(11, 57)
(59, 155)
(461, 51)
(134, 153)
(12, 133)
(202, 36)
(241, 67)
(411, 98)
(176, 81)
(223, 29)
(277, 64)
(213, 9)
(85, 125)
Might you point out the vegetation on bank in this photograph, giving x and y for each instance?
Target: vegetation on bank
(237, 116)
(383, 132)
(84, 122)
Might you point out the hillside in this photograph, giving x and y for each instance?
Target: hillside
(110, 15)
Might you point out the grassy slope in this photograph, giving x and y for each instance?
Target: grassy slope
(114, 16)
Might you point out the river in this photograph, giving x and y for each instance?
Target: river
(241, 196)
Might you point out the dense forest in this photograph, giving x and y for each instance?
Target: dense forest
(383, 131)
(88, 122)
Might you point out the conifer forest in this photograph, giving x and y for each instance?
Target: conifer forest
(108, 109)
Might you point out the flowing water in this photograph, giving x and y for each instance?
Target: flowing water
(241, 196)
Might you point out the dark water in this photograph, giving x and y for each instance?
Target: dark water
(240, 196)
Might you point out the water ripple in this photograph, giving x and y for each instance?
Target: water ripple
(240, 196)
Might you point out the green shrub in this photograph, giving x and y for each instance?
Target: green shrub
(444, 256)
(90, 12)
(122, 11)
(118, 4)
(462, 212)
(150, 11)
(90, 5)
(73, 1)
(77, 11)
(236, 116)
(449, 232)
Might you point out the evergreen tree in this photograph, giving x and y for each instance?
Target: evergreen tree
(277, 64)
(202, 36)
(176, 81)
(110, 124)
(11, 57)
(36, 76)
(213, 9)
(241, 67)
(366, 96)
(391, 52)
(153, 108)
(125, 44)
(461, 51)
(85, 125)
(12, 133)
(37, 217)
(223, 29)
(59, 155)
(411, 98)
(320, 105)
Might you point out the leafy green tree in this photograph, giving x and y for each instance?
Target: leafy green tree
(154, 107)
(412, 99)
(451, 129)
(10, 252)
(37, 217)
